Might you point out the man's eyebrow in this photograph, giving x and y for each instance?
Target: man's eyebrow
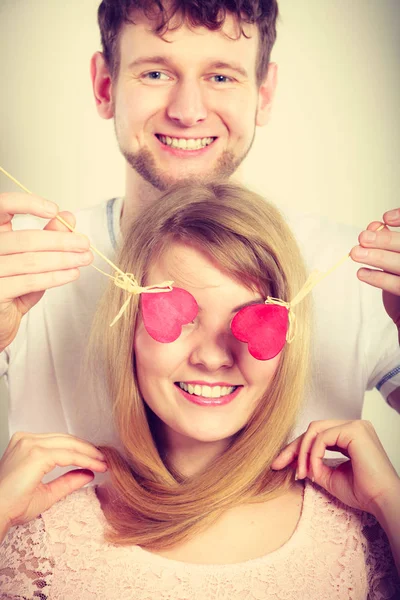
(160, 60)
(251, 303)
(218, 64)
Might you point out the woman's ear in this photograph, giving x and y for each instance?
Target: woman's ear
(102, 86)
(266, 95)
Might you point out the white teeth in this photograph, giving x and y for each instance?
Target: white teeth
(216, 391)
(185, 144)
(207, 391)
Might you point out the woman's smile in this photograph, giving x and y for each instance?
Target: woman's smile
(208, 395)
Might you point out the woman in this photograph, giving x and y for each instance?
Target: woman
(201, 501)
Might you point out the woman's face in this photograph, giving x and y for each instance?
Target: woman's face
(177, 379)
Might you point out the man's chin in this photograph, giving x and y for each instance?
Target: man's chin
(144, 164)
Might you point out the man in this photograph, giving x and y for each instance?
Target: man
(186, 100)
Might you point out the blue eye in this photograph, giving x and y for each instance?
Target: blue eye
(221, 78)
(156, 76)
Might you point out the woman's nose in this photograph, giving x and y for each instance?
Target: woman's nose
(213, 351)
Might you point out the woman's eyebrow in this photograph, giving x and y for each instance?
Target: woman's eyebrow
(251, 303)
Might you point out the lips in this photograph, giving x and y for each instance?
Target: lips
(185, 144)
(207, 391)
(206, 400)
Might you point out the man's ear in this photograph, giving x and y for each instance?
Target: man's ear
(102, 86)
(266, 95)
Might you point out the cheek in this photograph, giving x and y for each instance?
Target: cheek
(134, 107)
(258, 372)
(154, 359)
(233, 109)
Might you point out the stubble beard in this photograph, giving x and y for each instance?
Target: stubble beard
(144, 164)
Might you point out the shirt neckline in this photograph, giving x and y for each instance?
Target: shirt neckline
(288, 546)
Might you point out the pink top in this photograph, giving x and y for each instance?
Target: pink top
(335, 552)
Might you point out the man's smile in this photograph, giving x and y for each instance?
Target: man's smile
(183, 143)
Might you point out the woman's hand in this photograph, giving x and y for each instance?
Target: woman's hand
(366, 482)
(27, 459)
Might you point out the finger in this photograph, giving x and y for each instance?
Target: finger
(384, 239)
(66, 484)
(338, 437)
(287, 455)
(380, 279)
(381, 259)
(303, 459)
(41, 461)
(43, 262)
(26, 441)
(315, 428)
(18, 242)
(21, 285)
(376, 226)
(19, 204)
(56, 225)
(392, 217)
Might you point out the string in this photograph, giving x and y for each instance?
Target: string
(313, 279)
(125, 281)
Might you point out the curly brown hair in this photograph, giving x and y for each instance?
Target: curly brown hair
(112, 14)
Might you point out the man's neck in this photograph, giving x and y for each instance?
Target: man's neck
(139, 195)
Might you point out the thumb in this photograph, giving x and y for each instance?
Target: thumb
(392, 217)
(55, 225)
(66, 484)
(376, 226)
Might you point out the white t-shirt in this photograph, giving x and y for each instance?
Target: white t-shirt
(355, 343)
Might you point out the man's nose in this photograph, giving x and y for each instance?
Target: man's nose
(187, 106)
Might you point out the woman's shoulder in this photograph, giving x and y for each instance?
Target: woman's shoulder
(326, 512)
(77, 515)
(29, 552)
(63, 539)
(362, 541)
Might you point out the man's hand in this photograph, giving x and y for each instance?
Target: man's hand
(34, 261)
(381, 249)
(27, 459)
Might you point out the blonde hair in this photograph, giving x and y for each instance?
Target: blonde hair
(153, 506)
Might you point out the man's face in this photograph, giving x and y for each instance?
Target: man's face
(186, 107)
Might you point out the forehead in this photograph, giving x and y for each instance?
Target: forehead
(190, 46)
(194, 271)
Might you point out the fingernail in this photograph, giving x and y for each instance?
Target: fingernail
(369, 236)
(81, 241)
(50, 208)
(365, 274)
(393, 214)
(361, 252)
(297, 475)
(85, 258)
